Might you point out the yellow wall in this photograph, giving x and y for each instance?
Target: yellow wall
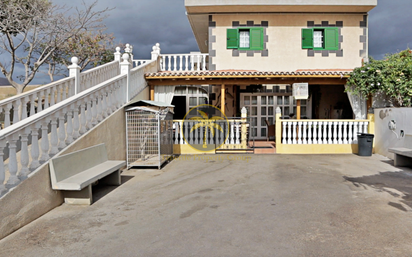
(284, 43)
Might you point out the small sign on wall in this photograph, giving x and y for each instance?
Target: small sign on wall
(300, 91)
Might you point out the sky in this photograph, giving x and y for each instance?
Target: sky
(142, 23)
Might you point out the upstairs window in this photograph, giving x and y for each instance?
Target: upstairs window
(320, 38)
(245, 38)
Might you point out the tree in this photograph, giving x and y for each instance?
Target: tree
(391, 76)
(91, 48)
(32, 30)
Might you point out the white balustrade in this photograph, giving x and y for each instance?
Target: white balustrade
(137, 63)
(183, 62)
(322, 132)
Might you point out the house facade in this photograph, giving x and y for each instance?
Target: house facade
(258, 50)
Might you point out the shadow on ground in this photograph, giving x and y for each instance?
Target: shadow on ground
(100, 190)
(384, 181)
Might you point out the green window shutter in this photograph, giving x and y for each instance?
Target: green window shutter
(307, 38)
(331, 37)
(256, 38)
(232, 38)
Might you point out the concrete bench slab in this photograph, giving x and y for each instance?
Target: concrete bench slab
(403, 156)
(74, 173)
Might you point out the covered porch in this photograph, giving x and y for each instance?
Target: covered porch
(326, 121)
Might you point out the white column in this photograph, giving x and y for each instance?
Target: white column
(181, 132)
(325, 132)
(289, 132)
(335, 132)
(284, 139)
(75, 72)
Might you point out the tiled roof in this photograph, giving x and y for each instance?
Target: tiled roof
(250, 73)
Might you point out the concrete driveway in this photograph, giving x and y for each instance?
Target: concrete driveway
(236, 205)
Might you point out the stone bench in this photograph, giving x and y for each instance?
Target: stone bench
(74, 173)
(403, 156)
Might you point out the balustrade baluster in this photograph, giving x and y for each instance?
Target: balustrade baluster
(238, 135)
(299, 132)
(175, 68)
(315, 128)
(335, 132)
(192, 63)
(44, 142)
(46, 99)
(62, 130)
(24, 156)
(186, 62)
(325, 132)
(181, 133)
(330, 137)
(360, 128)
(13, 179)
(7, 109)
(320, 141)
(304, 137)
(169, 62)
(186, 134)
(180, 62)
(232, 132)
(65, 88)
(25, 100)
(203, 62)
(294, 141)
(350, 137)
(355, 132)
(54, 141)
(53, 92)
(284, 134)
(94, 110)
(340, 141)
(35, 153)
(191, 134)
(99, 108)
(345, 132)
(32, 103)
(176, 127)
(69, 128)
(104, 104)
(59, 93)
(40, 102)
(310, 124)
(83, 128)
(365, 126)
(289, 132)
(3, 189)
(198, 63)
(76, 122)
(16, 109)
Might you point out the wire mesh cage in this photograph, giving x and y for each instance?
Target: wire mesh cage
(149, 137)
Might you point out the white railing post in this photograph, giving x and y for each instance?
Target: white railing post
(325, 132)
(320, 133)
(299, 132)
(315, 129)
(310, 124)
(305, 139)
(125, 69)
(117, 54)
(75, 72)
(345, 132)
(156, 51)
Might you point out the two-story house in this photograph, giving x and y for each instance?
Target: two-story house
(258, 49)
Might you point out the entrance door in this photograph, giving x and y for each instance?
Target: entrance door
(263, 107)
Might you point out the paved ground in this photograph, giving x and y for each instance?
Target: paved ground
(236, 205)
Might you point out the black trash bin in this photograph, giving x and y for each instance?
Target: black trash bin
(365, 144)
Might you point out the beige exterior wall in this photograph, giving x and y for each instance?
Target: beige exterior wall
(284, 45)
